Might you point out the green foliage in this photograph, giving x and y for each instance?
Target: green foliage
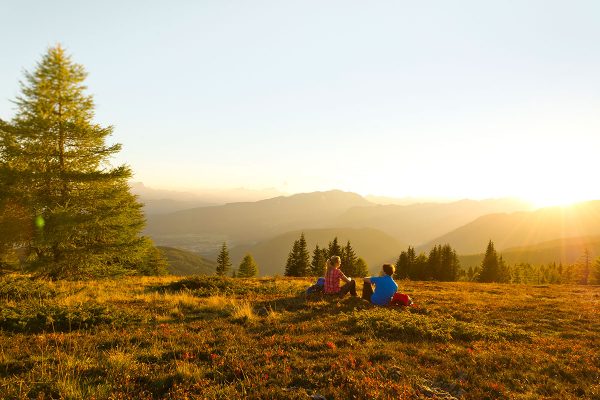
(334, 248)
(214, 286)
(223, 261)
(34, 316)
(319, 258)
(62, 202)
(493, 267)
(19, 288)
(298, 259)
(247, 268)
(361, 269)
(407, 326)
(349, 259)
(442, 264)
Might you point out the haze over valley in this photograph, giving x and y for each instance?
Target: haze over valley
(266, 228)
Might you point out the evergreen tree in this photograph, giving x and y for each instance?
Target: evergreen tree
(334, 248)
(248, 267)
(349, 258)
(54, 164)
(319, 258)
(291, 263)
(402, 267)
(223, 261)
(420, 268)
(450, 265)
(434, 263)
(597, 270)
(490, 269)
(503, 271)
(585, 267)
(298, 259)
(361, 268)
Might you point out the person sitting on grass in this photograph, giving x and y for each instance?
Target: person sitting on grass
(385, 287)
(333, 275)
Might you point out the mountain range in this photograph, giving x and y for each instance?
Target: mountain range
(268, 228)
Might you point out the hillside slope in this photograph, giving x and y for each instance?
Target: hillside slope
(252, 221)
(418, 223)
(524, 228)
(374, 246)
(566, 251)
(183, 262)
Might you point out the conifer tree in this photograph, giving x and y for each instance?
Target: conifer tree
(54, 166)
(348, 259)
(361, 268)
(298, 259)
(596, 270)
(319, 258)
(223, 261)
(334, 248)
(248, 267)
(490, 265)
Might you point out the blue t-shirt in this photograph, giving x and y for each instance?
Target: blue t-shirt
(385, 287)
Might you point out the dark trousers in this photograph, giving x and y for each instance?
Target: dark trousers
(348, 287)
(367, 291)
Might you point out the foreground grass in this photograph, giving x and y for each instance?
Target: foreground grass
(149, 338)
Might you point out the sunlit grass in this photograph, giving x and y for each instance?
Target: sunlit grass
(155, 339)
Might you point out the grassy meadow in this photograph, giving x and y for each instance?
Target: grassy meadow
(203, 337)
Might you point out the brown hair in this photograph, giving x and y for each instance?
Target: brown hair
(332, 262)
(389, 269)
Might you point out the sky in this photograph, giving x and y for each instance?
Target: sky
(461, 99)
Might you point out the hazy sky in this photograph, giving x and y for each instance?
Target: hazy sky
(402, 98)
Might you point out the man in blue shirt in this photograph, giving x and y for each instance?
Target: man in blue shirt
(385, 287)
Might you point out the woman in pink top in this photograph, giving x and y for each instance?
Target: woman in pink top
(333, 275)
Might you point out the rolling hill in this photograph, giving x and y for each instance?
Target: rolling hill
(566, 251)
(253, 221)
(183, 262)
(418, 223)
(521, 229)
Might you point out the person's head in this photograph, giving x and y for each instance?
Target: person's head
(333, 262)
(389, 269)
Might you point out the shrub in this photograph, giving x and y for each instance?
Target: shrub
(18, 288)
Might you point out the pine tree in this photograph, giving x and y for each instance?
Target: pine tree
(334, 248)
(597, 270)
(349, 258)
(248, 267)
(434, 263)
(490, 265)
(298, 259)
(585, 267)
(291, 264)
(361, 268)
(402, 271)
(317, 265)
(54, 163)
(223, 261)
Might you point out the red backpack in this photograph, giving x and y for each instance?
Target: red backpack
(401, 299)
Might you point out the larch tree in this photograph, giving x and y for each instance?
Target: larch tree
(81, 219)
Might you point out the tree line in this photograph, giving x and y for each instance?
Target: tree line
(299, 262)
(65, 211)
